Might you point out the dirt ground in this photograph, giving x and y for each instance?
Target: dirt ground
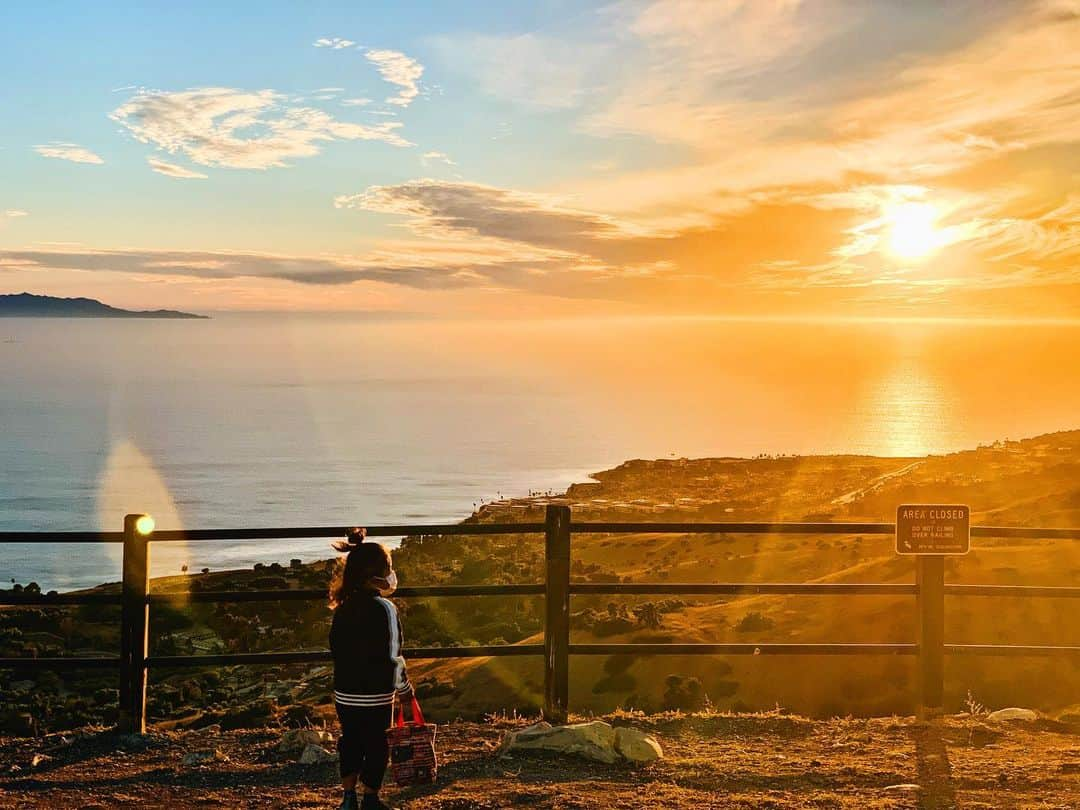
(711, 761)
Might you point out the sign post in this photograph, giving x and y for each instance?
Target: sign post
(930, 532)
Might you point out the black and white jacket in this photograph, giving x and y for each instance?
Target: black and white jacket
(365, 640)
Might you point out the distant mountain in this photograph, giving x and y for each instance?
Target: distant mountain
(27, 305)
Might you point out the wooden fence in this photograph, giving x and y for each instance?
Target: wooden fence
(135, 599)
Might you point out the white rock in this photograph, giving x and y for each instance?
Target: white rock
(315, 754)
(297, 739)
(637, 746)
(1013, 714)
(203, 757)
(595, 740)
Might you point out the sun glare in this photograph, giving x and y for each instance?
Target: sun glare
(913, 233)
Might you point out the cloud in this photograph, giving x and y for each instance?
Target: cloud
(469, 236)
(335, 43)
(172, 170)
(759, 253)
(531, 70)
(436, 207)
(427, 273)
(442, 157)
(10, 214)
(220, 126)
(398, 69)
(355, 102)
(68, 151)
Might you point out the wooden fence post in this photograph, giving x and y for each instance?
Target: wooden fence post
(557, 613)
(134, 611)
(931, 601)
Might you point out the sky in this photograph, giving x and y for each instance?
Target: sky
(732, 158)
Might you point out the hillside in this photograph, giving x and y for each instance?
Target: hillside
(1034, 482)
(28, 305)
(711, 761)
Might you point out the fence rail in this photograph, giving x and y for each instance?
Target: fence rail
(135, 599)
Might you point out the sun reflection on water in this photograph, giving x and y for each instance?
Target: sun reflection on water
(905, 412)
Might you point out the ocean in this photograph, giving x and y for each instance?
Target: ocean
(262, 420)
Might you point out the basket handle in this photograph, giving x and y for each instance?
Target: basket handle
(399, 712)
(417, 715)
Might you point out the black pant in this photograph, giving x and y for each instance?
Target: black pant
(362, 746)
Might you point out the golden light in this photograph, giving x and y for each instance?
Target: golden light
(144, 525)
(913, 232)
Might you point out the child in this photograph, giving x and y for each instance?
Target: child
(365, 640)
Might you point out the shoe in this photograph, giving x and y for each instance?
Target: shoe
(350, 802)
(371, 801)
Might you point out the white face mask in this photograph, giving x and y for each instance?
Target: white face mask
(391, 583)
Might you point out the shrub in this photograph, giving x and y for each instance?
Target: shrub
(618, 663)
(683, 693)
(754, 622)
(435, 688)
(269, 582)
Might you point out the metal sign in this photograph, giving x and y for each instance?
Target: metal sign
(932, 528)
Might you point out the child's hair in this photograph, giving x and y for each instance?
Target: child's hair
(362, 561)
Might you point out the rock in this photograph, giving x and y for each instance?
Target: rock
(1071, 717)
(904, 788)
(315, 754)
(132, 742)
(21, 724)
(1013, 714)
(637, 746)
(252, 715)
(203, 757)
(595, 740)
(297, 739)
(37, 759)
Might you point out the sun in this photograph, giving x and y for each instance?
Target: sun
(913, 232)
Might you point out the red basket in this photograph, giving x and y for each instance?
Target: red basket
(412, 747)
